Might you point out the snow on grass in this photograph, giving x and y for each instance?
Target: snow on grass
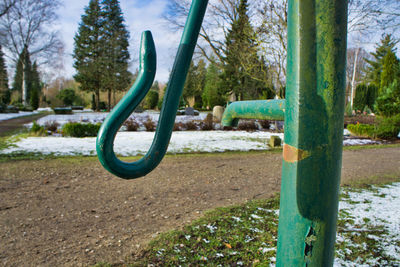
(359, 142)
(369, 227)
(8, 116)
(135, 143)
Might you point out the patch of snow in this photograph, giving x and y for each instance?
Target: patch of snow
(44, 109)
(265, 250)
(8, 116)
(355, 142)
(379, 206)
(254, 216)
(138, 143)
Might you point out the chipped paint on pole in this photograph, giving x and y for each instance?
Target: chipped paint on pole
(313, 132)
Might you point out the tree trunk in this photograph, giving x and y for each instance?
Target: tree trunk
(353, 81)
(109, 99)
(97, 100)
(24, 87)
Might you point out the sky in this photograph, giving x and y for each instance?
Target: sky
(140, 15)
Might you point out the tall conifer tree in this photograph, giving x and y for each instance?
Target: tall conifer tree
(89, 50)
(116, 55)
(241, 62)
(374, 73)
(36, 87)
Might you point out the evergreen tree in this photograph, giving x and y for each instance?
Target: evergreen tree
(360, 99)
(36, 87)
(390, 69)
(194, 84)
(241, 62)
(375, 70)
(372, 94)
(211, 95)
(22, 79)
(388, 103)
(4, 90)
(116, 55)
(89, 50)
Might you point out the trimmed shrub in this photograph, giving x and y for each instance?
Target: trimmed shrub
(190, 126)
(265, 124)
(63, 111)
(149, 125)
(77, 129)
(388, 128)
(178, 126)
(131, 125)
(362, 130)
(249, 126)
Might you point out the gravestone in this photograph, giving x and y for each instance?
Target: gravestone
(275, 141)
(218, 111)
(189, 111)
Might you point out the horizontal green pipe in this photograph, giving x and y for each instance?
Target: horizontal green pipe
(254, 109)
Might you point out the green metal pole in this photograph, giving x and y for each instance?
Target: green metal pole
(254, 109)
(108, 131)
(312, 153)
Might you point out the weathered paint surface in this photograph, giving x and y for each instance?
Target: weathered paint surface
(313, 132)
(292, 154)
(106, 136)
(255, 109)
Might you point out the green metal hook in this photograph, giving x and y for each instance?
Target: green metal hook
(109, 129)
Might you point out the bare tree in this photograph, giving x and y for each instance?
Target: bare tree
(356, 70)
(5, 6)
(273, 36)
(28, 24)
(220, 15)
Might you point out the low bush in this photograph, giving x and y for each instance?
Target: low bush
(149, 125)
(76, 129)
(388, 128)
(37, 130)
(131, 125)
(178, 126)
(249, 126)
(190, 126)
(265, 124)
(51, 126)
(63, 111)
(362, 130)
(207, 124)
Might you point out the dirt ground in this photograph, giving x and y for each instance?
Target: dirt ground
(71, 212)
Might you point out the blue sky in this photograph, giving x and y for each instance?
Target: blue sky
(140, 15)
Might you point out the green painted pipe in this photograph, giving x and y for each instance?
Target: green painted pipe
(312, 154)
(255, 109)
(109, 129)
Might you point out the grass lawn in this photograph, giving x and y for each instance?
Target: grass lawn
(246, 235)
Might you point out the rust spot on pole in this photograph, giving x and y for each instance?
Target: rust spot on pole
(292, 154)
